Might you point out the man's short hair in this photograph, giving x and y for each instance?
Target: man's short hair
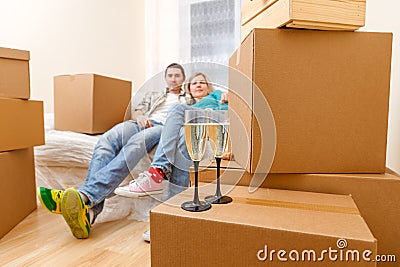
(175, 66)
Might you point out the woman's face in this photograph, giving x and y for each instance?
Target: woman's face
(198, 87)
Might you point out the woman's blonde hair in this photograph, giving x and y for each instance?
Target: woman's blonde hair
(209, 84)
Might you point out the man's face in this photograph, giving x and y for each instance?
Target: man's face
(174, 79)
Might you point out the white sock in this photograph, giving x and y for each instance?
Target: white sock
(91, 215)
(84, 198)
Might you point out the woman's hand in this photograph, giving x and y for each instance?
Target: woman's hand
(224, 98)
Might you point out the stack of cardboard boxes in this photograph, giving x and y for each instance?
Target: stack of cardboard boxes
(22, 128)
(309, 112)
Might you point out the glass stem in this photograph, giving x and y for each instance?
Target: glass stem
(196, 200)
(218, 193)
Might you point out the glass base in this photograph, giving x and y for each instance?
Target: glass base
(190, 206)
(218, 200)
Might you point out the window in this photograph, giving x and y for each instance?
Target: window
(186, 31)
(213, 35)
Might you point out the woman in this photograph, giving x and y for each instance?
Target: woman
(171, 160)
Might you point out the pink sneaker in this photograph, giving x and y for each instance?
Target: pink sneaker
(142, 186)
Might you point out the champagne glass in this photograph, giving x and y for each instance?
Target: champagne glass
(195, 134)
(217, 131)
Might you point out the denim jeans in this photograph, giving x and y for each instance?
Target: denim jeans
(172, 155)
(116, 153)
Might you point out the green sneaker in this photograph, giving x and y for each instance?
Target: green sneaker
(50, 199)
(75, 213)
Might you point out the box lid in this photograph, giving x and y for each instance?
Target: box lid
(312, 213)
(89, 75)
(14, 53)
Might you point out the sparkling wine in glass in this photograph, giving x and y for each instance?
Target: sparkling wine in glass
(196, 136)
(218, 133)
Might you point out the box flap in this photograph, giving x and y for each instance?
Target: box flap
(14, 54)
(252, 8)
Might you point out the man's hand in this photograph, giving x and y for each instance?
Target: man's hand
(224, 98)
(149, 123)
(143, 122)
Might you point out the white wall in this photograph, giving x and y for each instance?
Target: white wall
(75, 36)
(382, 16)
(162, 35)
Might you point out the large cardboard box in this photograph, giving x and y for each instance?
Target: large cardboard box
(22, 124)
(89, 103)
(316, 14)
(17, 183)
(377, 196)
(328, 93)
(14, 73)
(246, 231)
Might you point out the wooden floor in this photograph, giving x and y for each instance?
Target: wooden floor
(44, 239)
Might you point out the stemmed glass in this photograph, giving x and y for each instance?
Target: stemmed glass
(217, 131)
(195, 134)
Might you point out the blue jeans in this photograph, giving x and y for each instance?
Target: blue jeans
(115, 154)
(172, 156)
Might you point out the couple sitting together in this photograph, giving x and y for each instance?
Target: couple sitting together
(157, 120)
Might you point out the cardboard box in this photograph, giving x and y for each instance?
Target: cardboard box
(328, 93)
(377, 196)
(240, 233)
(14, 73)
(316, 14)
(17, 183)
(22, 124)
(89, 103)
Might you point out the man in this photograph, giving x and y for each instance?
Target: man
(115, 154)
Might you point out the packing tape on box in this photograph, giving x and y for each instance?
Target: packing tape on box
(295, 205)
(287, 204)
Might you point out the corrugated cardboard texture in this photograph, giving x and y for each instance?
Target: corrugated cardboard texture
(22, 124)
(89, 103)
(14, 73)
(232, 234)
(329, 94)
(17, 183)
(377, 196)
(120, 94)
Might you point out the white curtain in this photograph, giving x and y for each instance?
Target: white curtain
(162, 35)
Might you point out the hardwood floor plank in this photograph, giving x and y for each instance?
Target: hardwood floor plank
(44, 239)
